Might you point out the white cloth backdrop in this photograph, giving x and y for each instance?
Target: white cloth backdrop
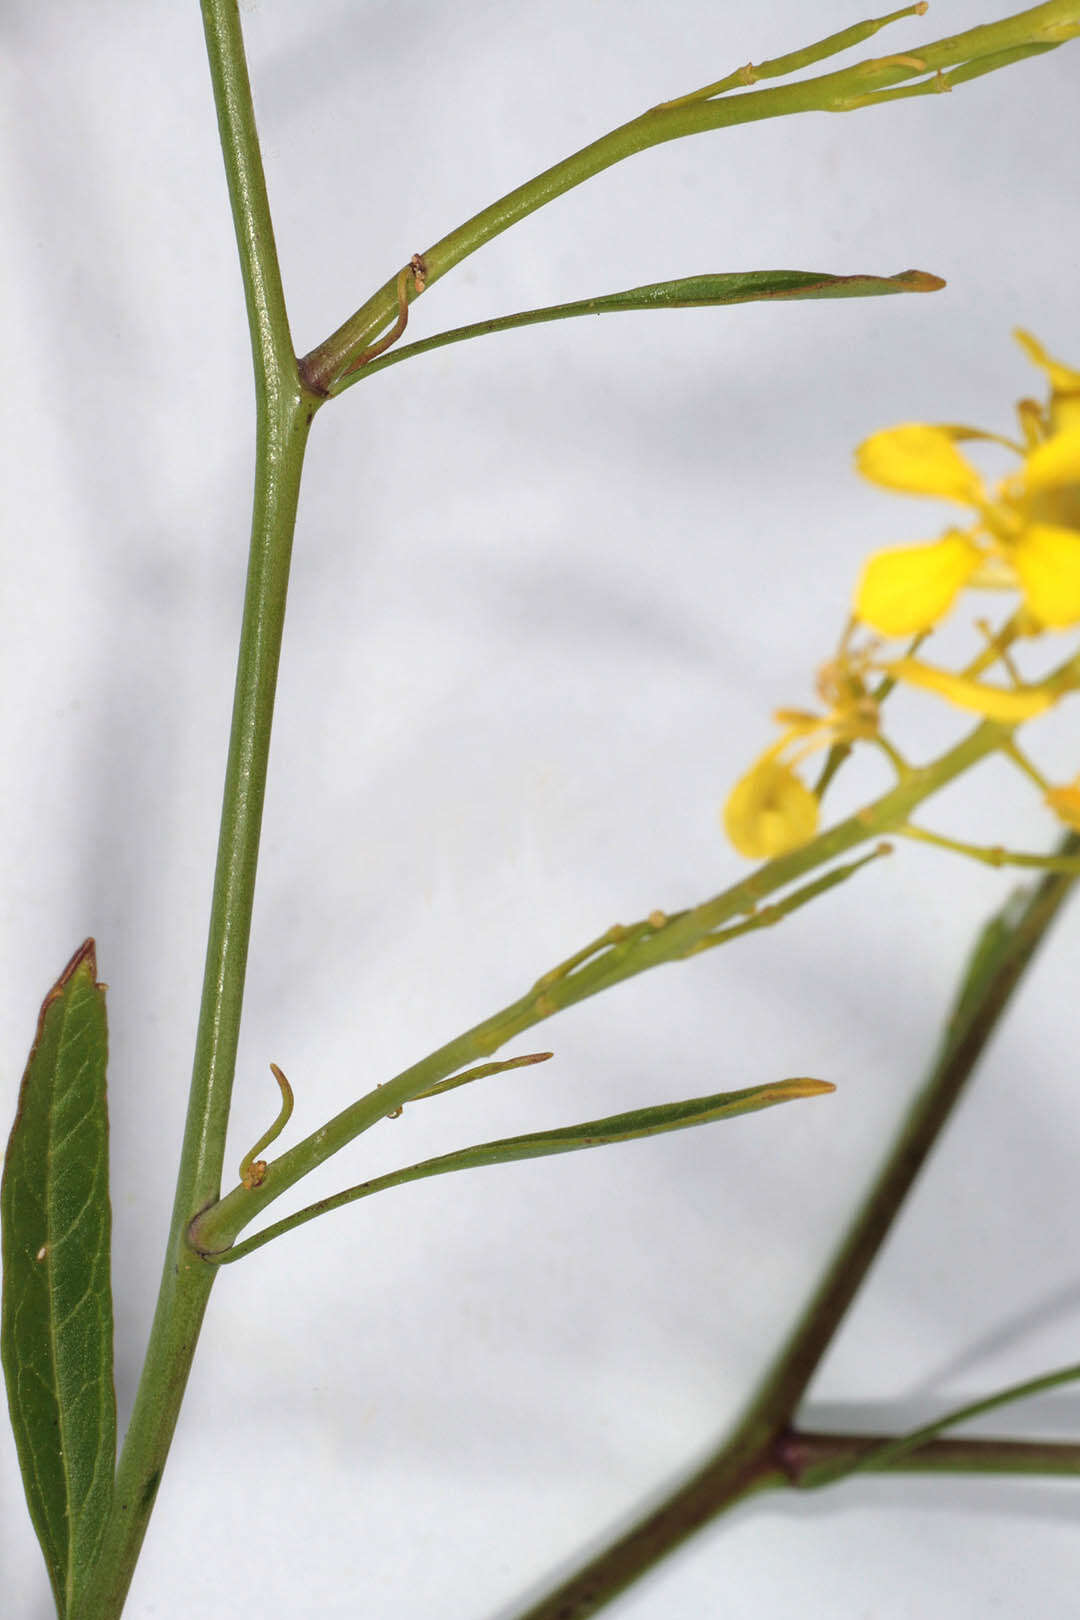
(547, 589)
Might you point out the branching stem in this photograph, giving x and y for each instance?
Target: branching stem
(288, 395)
(284, 412)
(764, 1450)
(968, 54)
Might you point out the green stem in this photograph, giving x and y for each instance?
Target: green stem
(780, 66)
(805, 1455)
(284, 413)
(733, 1476)
(619, 955)
(1035, 29)
(887, 1453)
(993, 854)
(769, 916)
(759, 1453)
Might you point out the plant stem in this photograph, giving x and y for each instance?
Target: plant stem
(759, 1451)
(836, 1455)
(993, 854)
(1038, 28)
(893, 1450)
(620, 955)
(792, 61)
(285, 410)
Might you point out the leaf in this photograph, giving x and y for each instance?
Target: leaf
(56, 1326)
(676, 1116)
(690, 292)
(750, 286)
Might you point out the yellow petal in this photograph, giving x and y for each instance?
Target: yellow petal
(1064, 409)
(1053, 464)
(919, 460)
(1065, 803)
(1062, 377)
(1032, 419)
(799, 722)
(770, 811)
(1011, 704)
(1047, 562)
(909, 588)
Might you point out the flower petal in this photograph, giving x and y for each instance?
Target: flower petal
(907, 589)
(1064, 409)
(1011, 704)
(917, 459)
(770, 811)
(1032, 419)
(1062, 378)
(1054, 464)
(1065, 803)
(1047, 562)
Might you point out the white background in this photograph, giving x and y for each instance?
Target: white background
(547, 589)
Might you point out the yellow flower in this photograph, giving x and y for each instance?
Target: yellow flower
(1065, 803)
(1026, 533)
(769, 811)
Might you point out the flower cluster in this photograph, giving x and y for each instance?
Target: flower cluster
(1022, 537)
(1026, 531)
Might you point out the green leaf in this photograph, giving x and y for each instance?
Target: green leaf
(56, 1329)
(690, 292)
(676, 1116)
